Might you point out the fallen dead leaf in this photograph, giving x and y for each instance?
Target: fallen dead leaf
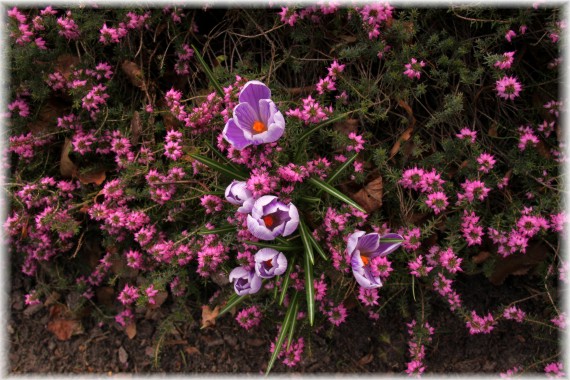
(123, 356)
(370, 196)
(209, 316)
(131, 330)
(134, 73)
(403, 138)
(136, 128)
(65, 64)
(95, 176)
(66, 167)
(481, 257)
(159, 299)
(346, 126)
(192, 350)
(519, 264)
(61, 324)
(366, 359)
(255, 342)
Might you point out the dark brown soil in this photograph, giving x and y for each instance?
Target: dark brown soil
(359, 345)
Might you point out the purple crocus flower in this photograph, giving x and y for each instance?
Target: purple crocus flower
(237, 193)
(256, 118)
(270, 262)
(270, 218)
(246, 281)
(362, 248)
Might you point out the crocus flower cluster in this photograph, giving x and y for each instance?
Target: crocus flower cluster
(268, 263)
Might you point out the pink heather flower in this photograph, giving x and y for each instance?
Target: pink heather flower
(527, 137)
(449, 260)
(467, 133)
(288, 15)
(506, 61)
(510, 373)
(211, 203)
(150, 293)
(125, 317)
(480, 325)
(553, 107)
(22, 107)
(358, 142)
(557, 221)
(412, 178)
(554, 370)
(559, 321)
(381, 267)
(293, 355)
(514, 313)
(508, 87)
(320, 288)
(412, 239)
(437, 201)
(335, 69)
(249, 317)
(369, 297)
(417, 267)
(32, 298)
(325, 85)
(487, 161)
(260, 183)
(68, 28)
(128, 295)
(293, 173)
(134, 259)
(337, 315)
(471, 231)
(413, 68)
(510, 34)
(473, 190)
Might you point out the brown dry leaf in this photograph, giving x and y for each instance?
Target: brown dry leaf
(403, 138)
(136, 128)
(46, 121)
(134, 73)
(518, 264)
(66, 167)
(123, 356)
(170, 121)
(493, 131)
(61, 324)
(95, 176)
(346, 126)
(295, 91)
(481, 257)
(543, 150)
(370, 196)
(190, 350)
(65, 64)
(52, 299)
(209, 316)
(366, 359)
(159, 299)
(131, 330)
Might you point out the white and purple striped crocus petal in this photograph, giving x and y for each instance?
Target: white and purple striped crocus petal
(258, 229)
(293, 223)
(238, 194)
(273, 119)
(353, 241)
(269, 263)
(363, 273)
(270, 218)
(246, 281)
(385, 248)
(235, 135)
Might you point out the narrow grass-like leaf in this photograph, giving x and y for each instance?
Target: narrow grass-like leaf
(232, 302)
(284, 332)
(278, 247)
(293, 325)
(306, 238)
(208, 72)
(286, 278)
(305, 135)
(220, 230)
(318, 247)
(335, 193)
(309, 288)
(230, 172)
(341, 169)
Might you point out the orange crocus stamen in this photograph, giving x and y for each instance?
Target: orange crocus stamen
(268, 220)
(259, 126)
(365, 260)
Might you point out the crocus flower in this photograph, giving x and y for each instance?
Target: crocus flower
(270, 262)
(256, 118)
(238, 194)
(362, 248)
(246, 281)
(270, 218)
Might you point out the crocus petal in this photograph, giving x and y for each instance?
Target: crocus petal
(260, 203)
(267, 109)
(292, 224)
(238, 272)
(237, 192)
(235, 135)
(353, 241)
(259, 231)
(368, 243)
(252, 92)
(278, 263)
(362, 274)
(247, 206)
(245, 116)
(386, 248)
(281, 266)
(255, 283)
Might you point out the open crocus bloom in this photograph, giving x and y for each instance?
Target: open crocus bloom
(362, 248)
(270, 218)
(246, 281)
(238, 194)
(270, 262)
(256, 118)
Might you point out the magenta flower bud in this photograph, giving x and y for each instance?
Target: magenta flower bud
(270, 262)
(362, 248)
(270, 218)
(246, 281)
(238, 194)
(256, 119)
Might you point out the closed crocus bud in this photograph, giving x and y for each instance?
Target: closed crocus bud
(238, 194)
(270, 218)
(269, 263)
(245, 281)
(362, 248)
(256, 119)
